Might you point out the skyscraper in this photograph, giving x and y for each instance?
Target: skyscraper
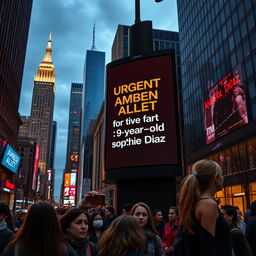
(218, 69)
(74, 126)
(41, 117)
(73, 143)
(93, 91)
(14, 27)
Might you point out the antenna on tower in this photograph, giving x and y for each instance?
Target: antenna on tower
(93, 40)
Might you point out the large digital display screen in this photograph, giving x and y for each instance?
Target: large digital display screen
(141, 113)
(11, 159)
(225, 106)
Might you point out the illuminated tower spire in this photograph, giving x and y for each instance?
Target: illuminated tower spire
(93, 39)
(45, 71)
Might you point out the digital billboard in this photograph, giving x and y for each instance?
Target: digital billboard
(69, 192)
(35, 171)
(225, 106)
(11, 159)
(141, 113)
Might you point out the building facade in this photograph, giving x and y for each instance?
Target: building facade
(41, 117)
(25, 193)
(75, 106)
(162, 39)
(24, 128)
(218, 70)
(93, 87)
(93, 96)
(74, 126)
(14, 27)
(53, 144)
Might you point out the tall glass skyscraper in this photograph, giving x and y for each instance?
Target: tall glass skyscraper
(74, 125)
(218, 70)
(92, 99)
(93, 92)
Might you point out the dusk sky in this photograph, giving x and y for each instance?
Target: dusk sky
(71, 23)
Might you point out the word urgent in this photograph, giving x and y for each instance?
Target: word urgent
(129, 100)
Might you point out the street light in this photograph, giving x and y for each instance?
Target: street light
(137, 9)
(140, 34)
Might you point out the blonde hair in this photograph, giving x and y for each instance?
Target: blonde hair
(204, 173)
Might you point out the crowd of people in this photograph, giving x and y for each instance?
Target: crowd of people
(196, 227)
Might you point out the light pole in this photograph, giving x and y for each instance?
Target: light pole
(140, 34)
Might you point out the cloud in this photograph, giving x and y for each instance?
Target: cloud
(71, 22)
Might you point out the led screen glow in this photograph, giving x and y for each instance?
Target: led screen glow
(225, 106)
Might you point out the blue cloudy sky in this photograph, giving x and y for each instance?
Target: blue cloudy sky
(71, 23)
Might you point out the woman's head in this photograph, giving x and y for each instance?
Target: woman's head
(142, 214)
(158, 215)
(40, 224)
(173, 214)
(206, 174)
(122, 235)
(75, 223)
(21, 216)
(96, 221)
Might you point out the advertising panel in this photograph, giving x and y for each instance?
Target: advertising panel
(140, 113)
(225, 106)
(67, 180)
(69, 192)
(35, 171)
(11, 159)
(73, 179)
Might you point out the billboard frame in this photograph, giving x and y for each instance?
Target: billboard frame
(147, 171)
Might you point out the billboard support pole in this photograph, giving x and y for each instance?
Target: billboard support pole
(140, 34)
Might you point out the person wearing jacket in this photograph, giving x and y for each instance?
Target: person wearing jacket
(5, 233)
(74, 224)
(123, 237)
(142, 214)
(238, 240)
(170, 231)
(251, 228)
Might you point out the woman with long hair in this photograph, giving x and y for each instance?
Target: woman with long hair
(39, 235)
(74, 225)
(124, 237)
(96, 227)
(204, 229)
(158, 218)
(143, 215)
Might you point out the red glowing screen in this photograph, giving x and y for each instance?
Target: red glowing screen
(35, 171)
(225, 106)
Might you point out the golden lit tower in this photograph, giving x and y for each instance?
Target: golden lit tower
(42, 111)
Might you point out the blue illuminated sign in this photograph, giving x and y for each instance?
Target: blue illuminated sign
(11, 159)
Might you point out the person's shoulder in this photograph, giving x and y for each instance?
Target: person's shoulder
(207, 206)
